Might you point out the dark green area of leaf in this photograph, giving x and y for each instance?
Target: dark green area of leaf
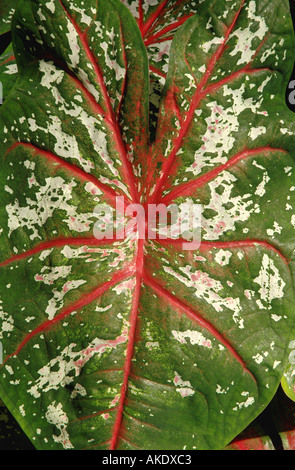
(273, 426)
(7, 8)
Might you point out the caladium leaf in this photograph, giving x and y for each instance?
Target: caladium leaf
(7, 9)
(127, 343)
(254, 438)
(8, 68)
(8, 72)
(158, 21)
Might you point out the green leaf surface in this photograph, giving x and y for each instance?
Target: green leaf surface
(8, 68)
(158, 22)
(124, 343)
(7, 9)
(8, 71)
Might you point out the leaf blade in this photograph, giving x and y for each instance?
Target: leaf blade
(103, 330)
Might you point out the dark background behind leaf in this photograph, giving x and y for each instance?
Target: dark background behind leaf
(12, 436)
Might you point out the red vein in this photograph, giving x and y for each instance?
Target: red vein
(157, 71)
(148, 24)
(97, 108)
(233, 76)
(184, 188)
(56, 243)
(173, 300)
(140, 15)
(99, 413)
(166, 38)
(130, 347)
(80, 303)
(144, 423)
(70, 167)
(91, 59)
(112, 120)
(131, 443)
(204, 246)
(9, 59)
(155, 37)
(195, 103)
(244, 243)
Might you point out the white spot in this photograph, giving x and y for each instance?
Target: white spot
(183, 387)
(256, 132)
(271, 284)
(256, 29)
(223, 257)
(194, 337)
(56, 416)
(50, 5)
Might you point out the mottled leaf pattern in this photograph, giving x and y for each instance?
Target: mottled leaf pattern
(158, 20)
(8, 72)
(127, 343)
(7, 9)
